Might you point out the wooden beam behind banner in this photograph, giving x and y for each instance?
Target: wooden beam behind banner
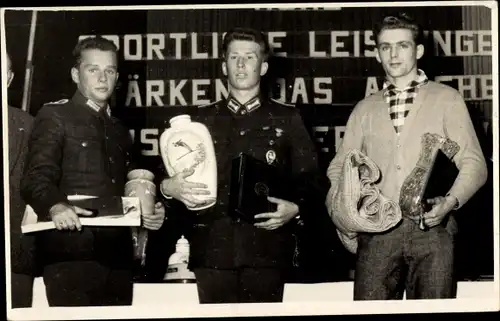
(28, 77)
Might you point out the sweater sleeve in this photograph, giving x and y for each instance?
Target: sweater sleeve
(469, 159)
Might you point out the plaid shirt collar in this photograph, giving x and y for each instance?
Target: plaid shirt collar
(236, 107)
(391, 90)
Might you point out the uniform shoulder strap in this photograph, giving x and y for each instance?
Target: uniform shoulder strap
(282, 103)
(210, 104)
(58, 102)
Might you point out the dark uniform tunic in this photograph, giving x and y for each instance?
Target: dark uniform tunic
(273, 133)
(77, 149)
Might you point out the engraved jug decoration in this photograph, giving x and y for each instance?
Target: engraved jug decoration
(416, 188)
(188, 145)
(140, 184)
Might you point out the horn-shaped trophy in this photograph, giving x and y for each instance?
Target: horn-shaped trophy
(140, 184)
(188, 145)
(432, 177)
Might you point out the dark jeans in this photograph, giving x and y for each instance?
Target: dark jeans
(87, 283)
(244, 285)
(22, 290)
(405, 258)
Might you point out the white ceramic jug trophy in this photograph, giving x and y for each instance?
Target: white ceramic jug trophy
(140, 184)
(188, 145)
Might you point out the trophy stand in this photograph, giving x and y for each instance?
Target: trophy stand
(177, 270)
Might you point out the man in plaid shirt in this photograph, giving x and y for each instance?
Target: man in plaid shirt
(388, 127)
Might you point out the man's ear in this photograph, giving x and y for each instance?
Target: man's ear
(377, 55)
(263, 68)
(224, 68)
(75, 75)
(420, 51)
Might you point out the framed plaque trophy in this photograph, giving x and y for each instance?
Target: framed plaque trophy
(252, 181)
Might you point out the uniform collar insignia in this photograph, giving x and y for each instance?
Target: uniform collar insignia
(97, 108)
(235, 106)
(79, 99)
(253, 103)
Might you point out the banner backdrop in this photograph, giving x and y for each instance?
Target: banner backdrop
(323, 62)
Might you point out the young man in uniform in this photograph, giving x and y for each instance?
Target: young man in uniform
(22, 247)
(388, 127)
(77, 147)
(233, 260)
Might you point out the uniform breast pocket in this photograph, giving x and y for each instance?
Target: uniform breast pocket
(83, 153)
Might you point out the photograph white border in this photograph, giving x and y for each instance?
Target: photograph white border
(260, 309)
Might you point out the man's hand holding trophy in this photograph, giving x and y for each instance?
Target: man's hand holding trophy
(187, 150)
(179, 188)
(140, 184)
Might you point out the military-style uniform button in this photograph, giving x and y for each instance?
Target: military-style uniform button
(84, 144)
(242, 132)
(398, 167)
(243, 112)
(113, 180)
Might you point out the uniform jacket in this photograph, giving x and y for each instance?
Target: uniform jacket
(271, 132)
(23, 259)
(75, 149)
